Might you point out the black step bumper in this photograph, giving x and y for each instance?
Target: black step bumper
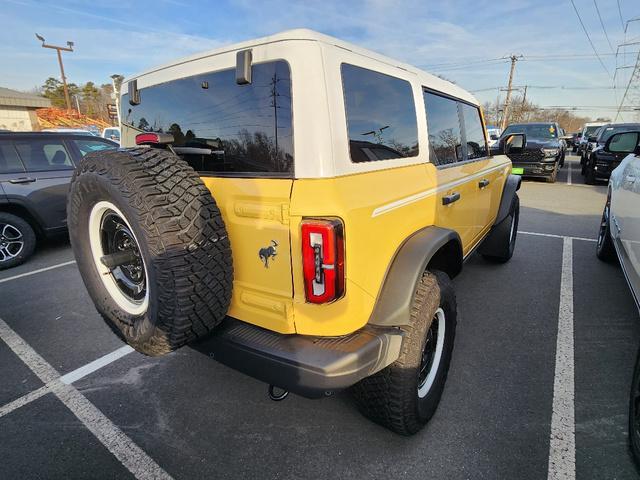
(306, 365)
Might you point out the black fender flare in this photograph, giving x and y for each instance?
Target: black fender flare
(511, 186)
(426, 246)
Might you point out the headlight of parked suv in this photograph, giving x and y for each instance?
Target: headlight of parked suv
(550, 152)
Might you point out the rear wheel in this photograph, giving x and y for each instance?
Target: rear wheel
(405, 395)
(151, 247)
(17, 240)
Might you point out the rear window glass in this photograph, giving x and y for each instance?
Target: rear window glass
(88, 146)
(9, 160)
(221, 127)
(43, 155)
(381, 115)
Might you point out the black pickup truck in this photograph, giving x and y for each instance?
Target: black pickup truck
(544, 151)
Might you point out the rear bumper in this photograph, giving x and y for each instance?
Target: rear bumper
(603, 169)
(308, 366)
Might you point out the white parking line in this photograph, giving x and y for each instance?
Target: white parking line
(569, 173)
(562, 444)
(22, 401)
(97, 364)
(40, 270)
(552, 235)
(115, 440)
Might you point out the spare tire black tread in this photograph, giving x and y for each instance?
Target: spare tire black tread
(182, 225)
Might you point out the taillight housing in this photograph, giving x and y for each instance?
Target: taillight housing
(323, 259)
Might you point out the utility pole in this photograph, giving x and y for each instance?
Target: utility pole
(68, 48)
(505, 115)
(524, 105)
(633, 85)
(117, 84)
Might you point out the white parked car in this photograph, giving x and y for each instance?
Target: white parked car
(111, 133)
(493, 134)
(619, 236)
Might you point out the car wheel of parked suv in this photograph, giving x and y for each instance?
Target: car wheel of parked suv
(554, 175)
(17, 240)
(589, 173)
(405, 395)
(605, 250)
(158, 266)
(502, 240)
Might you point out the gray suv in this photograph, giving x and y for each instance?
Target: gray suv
(35, 171)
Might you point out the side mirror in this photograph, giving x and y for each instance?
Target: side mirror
(513, 143)
(623, 142)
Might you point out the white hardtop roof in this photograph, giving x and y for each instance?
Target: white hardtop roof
(427, 79)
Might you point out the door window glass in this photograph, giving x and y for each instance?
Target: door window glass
(443, 124)
(381, 115)
(43, 155)
(9, 160)
(474, 132)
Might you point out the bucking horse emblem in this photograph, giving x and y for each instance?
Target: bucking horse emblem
(266, 253)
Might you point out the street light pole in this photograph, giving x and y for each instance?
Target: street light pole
(68, 48)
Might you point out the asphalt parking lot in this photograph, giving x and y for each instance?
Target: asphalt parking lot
(552, 317)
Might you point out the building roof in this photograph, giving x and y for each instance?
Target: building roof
(13, 98)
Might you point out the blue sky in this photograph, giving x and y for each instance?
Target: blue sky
(126, 37)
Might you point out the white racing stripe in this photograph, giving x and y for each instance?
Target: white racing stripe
(97, 364)
(40, 270)
(562, 444)
(115, 440)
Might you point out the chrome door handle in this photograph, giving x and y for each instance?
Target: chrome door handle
(483, 183)
(22, 180)
(449, 199)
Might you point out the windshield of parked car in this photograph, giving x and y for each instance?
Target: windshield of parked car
(589, 131)
(545, 131)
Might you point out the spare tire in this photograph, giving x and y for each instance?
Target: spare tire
(151, 246)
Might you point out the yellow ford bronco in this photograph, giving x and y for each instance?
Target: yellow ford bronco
(298, 205)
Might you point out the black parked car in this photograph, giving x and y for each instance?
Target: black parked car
(544, 151)
(599, 163)
(35, 170)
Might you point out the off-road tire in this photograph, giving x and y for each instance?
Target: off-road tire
(504, 235)
(390, 397)
(181, 237)
(554, 175)
(9, 224)
(605, 250)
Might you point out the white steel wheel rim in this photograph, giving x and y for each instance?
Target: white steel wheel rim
(126, 303)
(425, 386)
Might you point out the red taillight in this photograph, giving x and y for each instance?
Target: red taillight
(323, 260)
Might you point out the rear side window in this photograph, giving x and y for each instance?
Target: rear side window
(473, 131)
(381, 115)
(41, 155)
(221, 127)
(443, 123)
(88, 146)
(9, 160)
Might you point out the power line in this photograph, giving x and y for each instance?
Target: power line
(634, 76)
(589, 38)
(595, 4)
(620, 13)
